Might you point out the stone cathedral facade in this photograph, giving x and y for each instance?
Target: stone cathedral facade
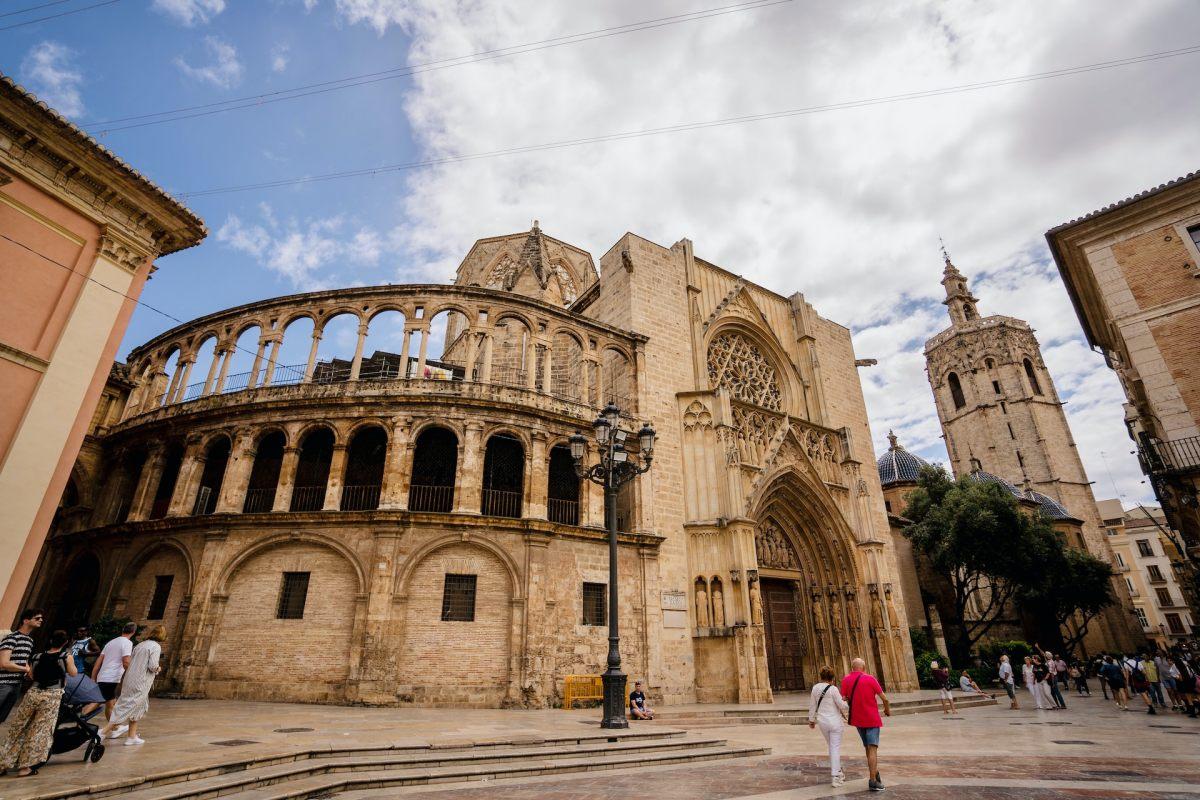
(1002, 420)
(404, 524)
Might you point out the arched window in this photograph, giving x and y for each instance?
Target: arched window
(503, 476)
(131, 473)
(563, 495)
(166, 483)
(364, 469)
(1033, 380)
(738, 365)
(312, 470)
(968, 312)
(216, 458)
(264, 475)
(956, 392)
(435, 461)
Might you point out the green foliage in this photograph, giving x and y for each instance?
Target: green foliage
(984, 674)
(919, 637)
(1016, 650)
(924, 673)
(1074, 587)
(107, 628)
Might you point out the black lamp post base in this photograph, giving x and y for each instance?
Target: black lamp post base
(614, 700)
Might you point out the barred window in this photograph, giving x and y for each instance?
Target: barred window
(593, 603)
(458, 598)
(292, 596)
(162, 591)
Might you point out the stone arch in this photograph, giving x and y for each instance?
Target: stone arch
(957, 396)
(619, 378)
(247, 615)
(312, 425)
(432, 667)
(566, 364)
(139, 583)
(759, 351)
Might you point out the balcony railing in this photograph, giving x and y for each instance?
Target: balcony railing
(308, 498)
(564, 512)
(1176, 455)
(424, 497)
(499, 503)
(259, 501)
(360, 498)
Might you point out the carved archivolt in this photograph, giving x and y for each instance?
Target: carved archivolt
(739, 366)
(773, 549)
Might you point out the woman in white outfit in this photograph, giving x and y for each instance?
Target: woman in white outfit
(134, 701)
(1031, 682)
(827, 710)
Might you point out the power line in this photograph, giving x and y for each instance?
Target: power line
(54, 16)
(324, 87)
(33, 8)
(704, 124)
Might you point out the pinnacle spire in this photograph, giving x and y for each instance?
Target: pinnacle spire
(959, 299)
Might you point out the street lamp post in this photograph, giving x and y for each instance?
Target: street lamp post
(613, 470)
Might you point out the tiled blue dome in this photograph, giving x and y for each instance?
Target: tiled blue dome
(1050, 507)
(986, 477)
(898, 465)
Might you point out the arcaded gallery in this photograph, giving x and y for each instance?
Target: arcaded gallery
(399, 519)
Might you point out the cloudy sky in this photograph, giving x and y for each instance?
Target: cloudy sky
(845, 205)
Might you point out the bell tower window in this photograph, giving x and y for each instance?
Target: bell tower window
(956, 392)
(1033, 379)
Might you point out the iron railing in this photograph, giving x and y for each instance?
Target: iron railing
(499, 503)
(424, 497)
(564, 512)
(360, 498)
(259, 501)
(1175, 455)
(308, 498)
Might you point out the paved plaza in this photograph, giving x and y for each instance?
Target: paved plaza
(1090, 750)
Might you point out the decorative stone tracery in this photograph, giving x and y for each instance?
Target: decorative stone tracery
(737, 364)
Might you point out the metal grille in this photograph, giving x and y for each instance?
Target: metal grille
(308, 498)
(162, 591)
(593, 603)
(292, 595)
(458, 599)
(259, 501)
(564, 512)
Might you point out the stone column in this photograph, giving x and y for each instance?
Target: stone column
(287, 479)
(312, 356)
(333, 485)
(468, 491)
(190, 469)
(218, 355)
(424, 350)
(547, 369)
(472, 353)
(168, 396)
(181, 389)
(237, 474)
(272, 360)
(397, 467)
(531, 359)
(197, 636)
(143, 495)
(585, 394)
(535, 506)
(356, 364)
(404, 352)
(487, 358)
(252, 381)
(224, 368)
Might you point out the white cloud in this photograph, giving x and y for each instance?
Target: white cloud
(279, 57)
(302, 252)
(190, 12)
(224, 70)
(844, 206)
(48, 70)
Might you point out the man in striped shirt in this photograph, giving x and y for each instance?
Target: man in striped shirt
(15, 651)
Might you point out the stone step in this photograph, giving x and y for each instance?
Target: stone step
(301, 759)
(795, 716)
(368, 781)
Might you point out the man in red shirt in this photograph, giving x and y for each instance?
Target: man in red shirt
(860, 691)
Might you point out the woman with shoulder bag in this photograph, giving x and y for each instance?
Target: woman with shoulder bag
(31, 730)
(134, 702)
(827, 709)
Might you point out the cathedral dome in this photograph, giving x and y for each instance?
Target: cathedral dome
(979, 476)
(898, 465)
(1050, 507)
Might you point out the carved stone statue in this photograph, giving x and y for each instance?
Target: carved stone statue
(773, 549)
(818, 612)
(852, 611)
(756, 610)
(835, 612)
(893, 617)
(718, 606)
(701, 606)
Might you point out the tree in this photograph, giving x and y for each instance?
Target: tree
(1073, 588)
(976, 535)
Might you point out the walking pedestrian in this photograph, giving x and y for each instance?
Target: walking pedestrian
(111, 665)
(1115, 677)
(1150, 668)
(31, 732)
(1185, 684)
(83, 648)
(941, 679)
(134, 701)
(1167, 673)
(1008, 682)
(1060, 669)
(1078, 673)
(860, 690)
(1052, 682)
(1041, 679)
(1139, 685)
(15, 651)
(1098, 668)
(827, 710)
(1030, 676)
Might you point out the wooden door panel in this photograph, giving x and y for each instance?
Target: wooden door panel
(783, 635)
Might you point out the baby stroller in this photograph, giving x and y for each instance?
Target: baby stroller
(73, 729)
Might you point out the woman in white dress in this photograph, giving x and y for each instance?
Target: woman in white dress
(134, 701)
(827, 710)
(1031, 682)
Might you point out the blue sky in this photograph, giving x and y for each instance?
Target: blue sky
(845, 206)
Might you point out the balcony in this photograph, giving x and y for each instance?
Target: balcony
(437, 499)
(564, 512)
(360, 498)
(1172, 457)
(499, 503)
